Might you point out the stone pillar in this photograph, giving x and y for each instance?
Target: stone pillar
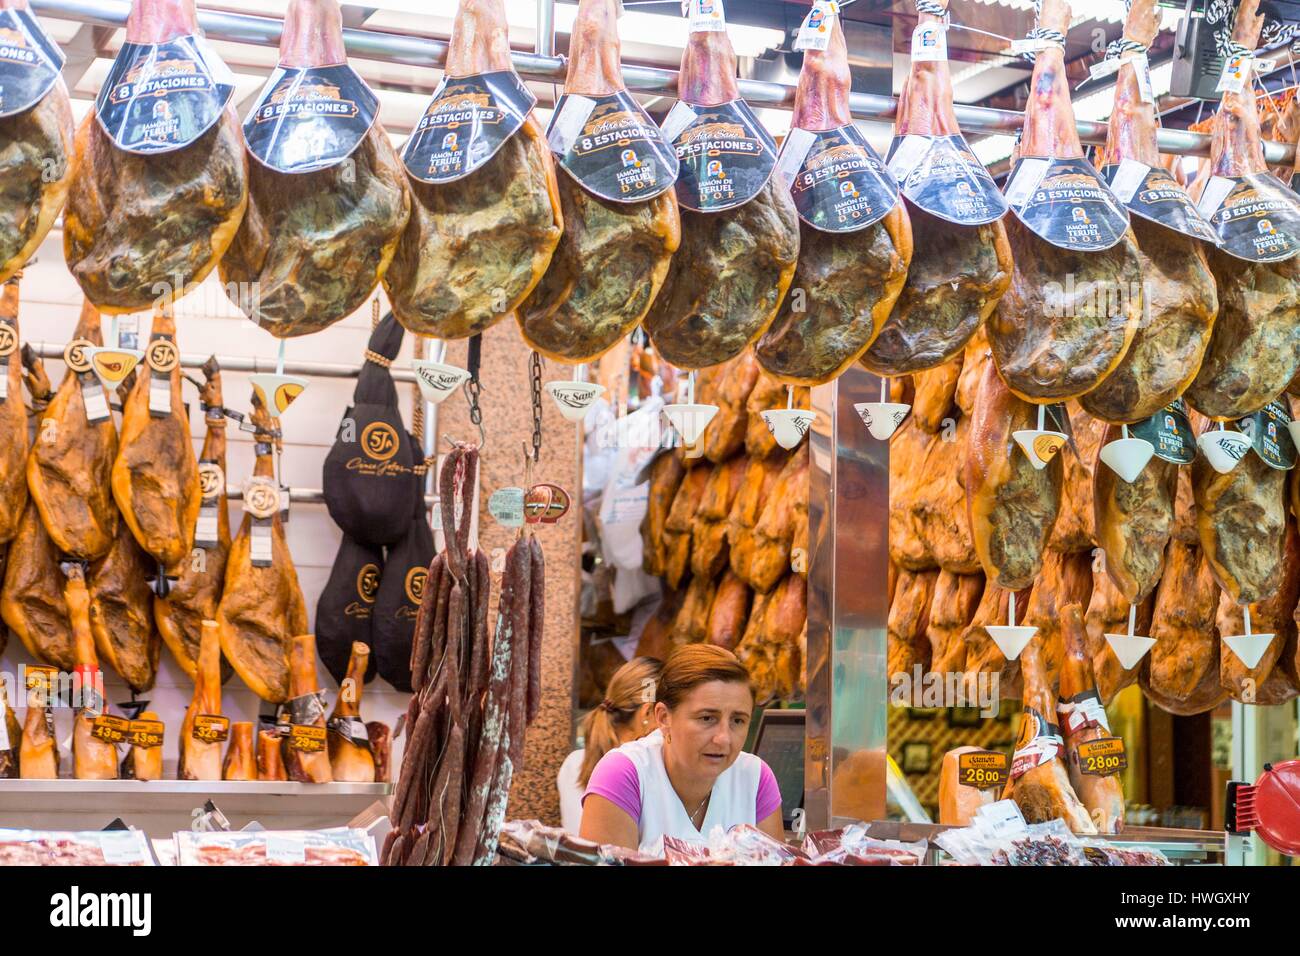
(507, 419)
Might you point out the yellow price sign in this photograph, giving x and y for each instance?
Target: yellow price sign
(1102, 757)
(110, 729)
(307, 739)
(145, 734)
(210, 728)
(983, 769)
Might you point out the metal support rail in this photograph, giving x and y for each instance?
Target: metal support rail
(306, 496)
(230, 363)
(432, 53)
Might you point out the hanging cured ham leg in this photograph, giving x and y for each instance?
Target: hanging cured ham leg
(32, 602)
(262, 606)
(137, 221)
(92, 758)
(36, 135)
(155, 477)
(1054, 334)
(305, 757)
(71, 462)
(349, 741)
(476, 246)
(1255, 349)
(613, 256)
(121, 612)
(1083, 719)
(851, 280)
(13, 419)
(1178, 291)
(958, 271)
(735, 264)
(200, 755)
(320, 231)
(194, 595)
(1040, 783)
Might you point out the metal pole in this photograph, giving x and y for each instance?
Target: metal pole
(432, 53)
(545, 42)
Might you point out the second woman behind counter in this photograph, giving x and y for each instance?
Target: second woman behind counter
(626, 714)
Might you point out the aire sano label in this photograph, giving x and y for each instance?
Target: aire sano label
(466, 122)
(310, 118)
(611, 147)
(726, 155)
(29, 62)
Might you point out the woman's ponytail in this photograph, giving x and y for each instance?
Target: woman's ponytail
(632, 685)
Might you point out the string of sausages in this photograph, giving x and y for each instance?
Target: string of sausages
(471, 700)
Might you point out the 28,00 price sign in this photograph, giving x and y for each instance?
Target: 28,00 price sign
(1103, 757)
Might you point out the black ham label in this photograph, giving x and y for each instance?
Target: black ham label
(1255, 216)
(838, 182)
(1170, 432)
(29, 62)
(163, 96)
(1102, 757)
(726, 155)
(942, 176)
(1270, 436)
(1066, 202)
(465, 124)
(351, 729)
(983, 769)
(310, 118)
(1152, 193)
(612, 147)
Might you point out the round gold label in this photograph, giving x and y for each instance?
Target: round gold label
(415, 580)
(75, 355)
(8, 340)
(1046, 446)
(368, 583)
(261, 497)
(162, 355)
(211, 479)
(379, 441)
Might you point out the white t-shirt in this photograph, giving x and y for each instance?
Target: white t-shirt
(570, 793)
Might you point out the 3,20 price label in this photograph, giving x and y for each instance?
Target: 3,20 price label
(983, 769)
(1103, 757)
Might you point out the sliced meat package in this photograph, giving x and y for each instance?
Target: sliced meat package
(327, 196)
(149, 207)
(369, 475)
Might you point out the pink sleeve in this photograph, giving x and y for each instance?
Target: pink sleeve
(615, 779)
(769, 794)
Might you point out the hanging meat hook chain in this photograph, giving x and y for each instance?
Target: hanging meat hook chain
(473, 387)
(536, 363)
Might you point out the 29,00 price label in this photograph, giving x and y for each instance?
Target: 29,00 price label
(983, 769)
(1103, 757)
(306, 738)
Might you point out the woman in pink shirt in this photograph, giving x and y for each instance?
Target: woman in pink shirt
(690, 775)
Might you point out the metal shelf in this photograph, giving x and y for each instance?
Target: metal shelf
(429, 52)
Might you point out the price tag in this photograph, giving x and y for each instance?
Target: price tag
(705, 16)
(93, 398)
(1235, 71)
(1105, 68)
(1128, 179)
(110, 729)
(1029, 45)
(568, 123)
(910, 152)
(507, 506)
(282, 848)
(1029, 174)
(1103, 757)
(261, 544)
(1142, 68)
(210, 728)
(930, 43)
(160, 397)
(145, 734)
(984, 769)
(794, 150)
(1212, 197)
(121, 848)
(678, 118)
(307, 739)
(815, 31)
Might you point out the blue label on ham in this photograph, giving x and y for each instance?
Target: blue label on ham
(726, 157)
(29, 62)
(163, 96)
(1170, 433)
(1258, 220)
(466, 122)
(612, 147)
(310, 118)
(944, 178)
(840, 183)
(1066, 203)
(1160, 199)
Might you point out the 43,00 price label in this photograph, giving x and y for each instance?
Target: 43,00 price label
(983, 769)
(1103, 757)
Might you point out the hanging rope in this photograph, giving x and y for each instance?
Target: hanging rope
(931, 7)
(1054, 37)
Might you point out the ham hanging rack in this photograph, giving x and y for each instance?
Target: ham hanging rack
(422, 51)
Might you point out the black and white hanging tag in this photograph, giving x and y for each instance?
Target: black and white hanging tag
(941, 175)
(468, 120)
(261, 503)
(1066, 203)
(838, 182)
(1255, 216)
(77, 357)
(726, 156)
(1170, 432)
(161, 357)
(310, 118)
(212, 483)
(8, 347)
(611, 147)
